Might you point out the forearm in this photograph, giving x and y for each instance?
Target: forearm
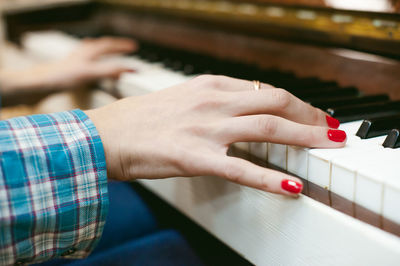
(23, 81)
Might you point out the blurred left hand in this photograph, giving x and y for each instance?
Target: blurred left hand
(80, 67)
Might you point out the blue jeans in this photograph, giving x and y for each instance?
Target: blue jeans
(132, 236)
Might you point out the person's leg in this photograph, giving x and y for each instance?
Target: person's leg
(128, 218)
(161, 248)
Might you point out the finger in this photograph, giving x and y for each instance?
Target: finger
(268, 128)
(281, 103)
(108, 70)
(108, 45)
(267, 100)
(248, 174)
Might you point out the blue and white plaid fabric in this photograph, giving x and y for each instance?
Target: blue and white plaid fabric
(53, 187)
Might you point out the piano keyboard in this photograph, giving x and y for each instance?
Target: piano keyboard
(363, 172)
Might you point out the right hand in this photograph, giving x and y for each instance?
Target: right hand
(80, 67)
(186, 130)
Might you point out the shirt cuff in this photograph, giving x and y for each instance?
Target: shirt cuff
(91, 191)
(53, 177)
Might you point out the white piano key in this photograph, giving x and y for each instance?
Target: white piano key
(319, 171)
(319, 160)
(344, 167)
(343, 182)
(133, 62)
(298, 158)
(372, 176)
(277, 155)
(259, 149)
(49, 45)
(132, 84)
(391, 198)
(297, 161)
(319, 163)
(244, 146)
(351, 128)
(369, 190)
(383, 171)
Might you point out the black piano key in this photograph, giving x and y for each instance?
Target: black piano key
(189, 69)
(299, 84)
(337, 102)
(326, 93)
(274, 77)
(364, 111)
(192, 63)
(177, 65)
(393, 139)
(378, 126)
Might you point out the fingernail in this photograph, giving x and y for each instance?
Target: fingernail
(130, 71)
(332, 122)
(291, 186)
(336, 135)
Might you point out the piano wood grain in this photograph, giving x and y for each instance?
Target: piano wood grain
(371, 76)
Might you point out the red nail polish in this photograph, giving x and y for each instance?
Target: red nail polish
(131, 71)
(332, 122)
(291, 186)
(336, 135)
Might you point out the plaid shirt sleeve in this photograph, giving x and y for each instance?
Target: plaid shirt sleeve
(53, 187)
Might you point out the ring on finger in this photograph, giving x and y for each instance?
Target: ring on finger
(257, 85)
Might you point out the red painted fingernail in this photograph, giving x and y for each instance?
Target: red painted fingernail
(336, 135)
(130, 71)
(291, 186)
(332, 122)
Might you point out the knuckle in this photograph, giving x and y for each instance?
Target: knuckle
(264, 183)
(210, 81)
(316, 116)
(203, 80)
(313, 137)
(281, 97)
(267, 125)
(232, 172)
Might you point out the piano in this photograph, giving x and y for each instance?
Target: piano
(340, 57)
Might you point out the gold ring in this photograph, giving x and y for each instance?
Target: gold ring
(256, 84)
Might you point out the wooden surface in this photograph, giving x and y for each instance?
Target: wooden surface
(19, 5)
(388, 6)
(371, 74)
(373, 32)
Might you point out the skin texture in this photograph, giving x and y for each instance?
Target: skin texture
(187, 129)
(80, 67)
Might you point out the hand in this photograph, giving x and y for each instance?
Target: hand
(81, 66)
(187, 129)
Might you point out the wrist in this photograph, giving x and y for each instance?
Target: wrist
(100, 117)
